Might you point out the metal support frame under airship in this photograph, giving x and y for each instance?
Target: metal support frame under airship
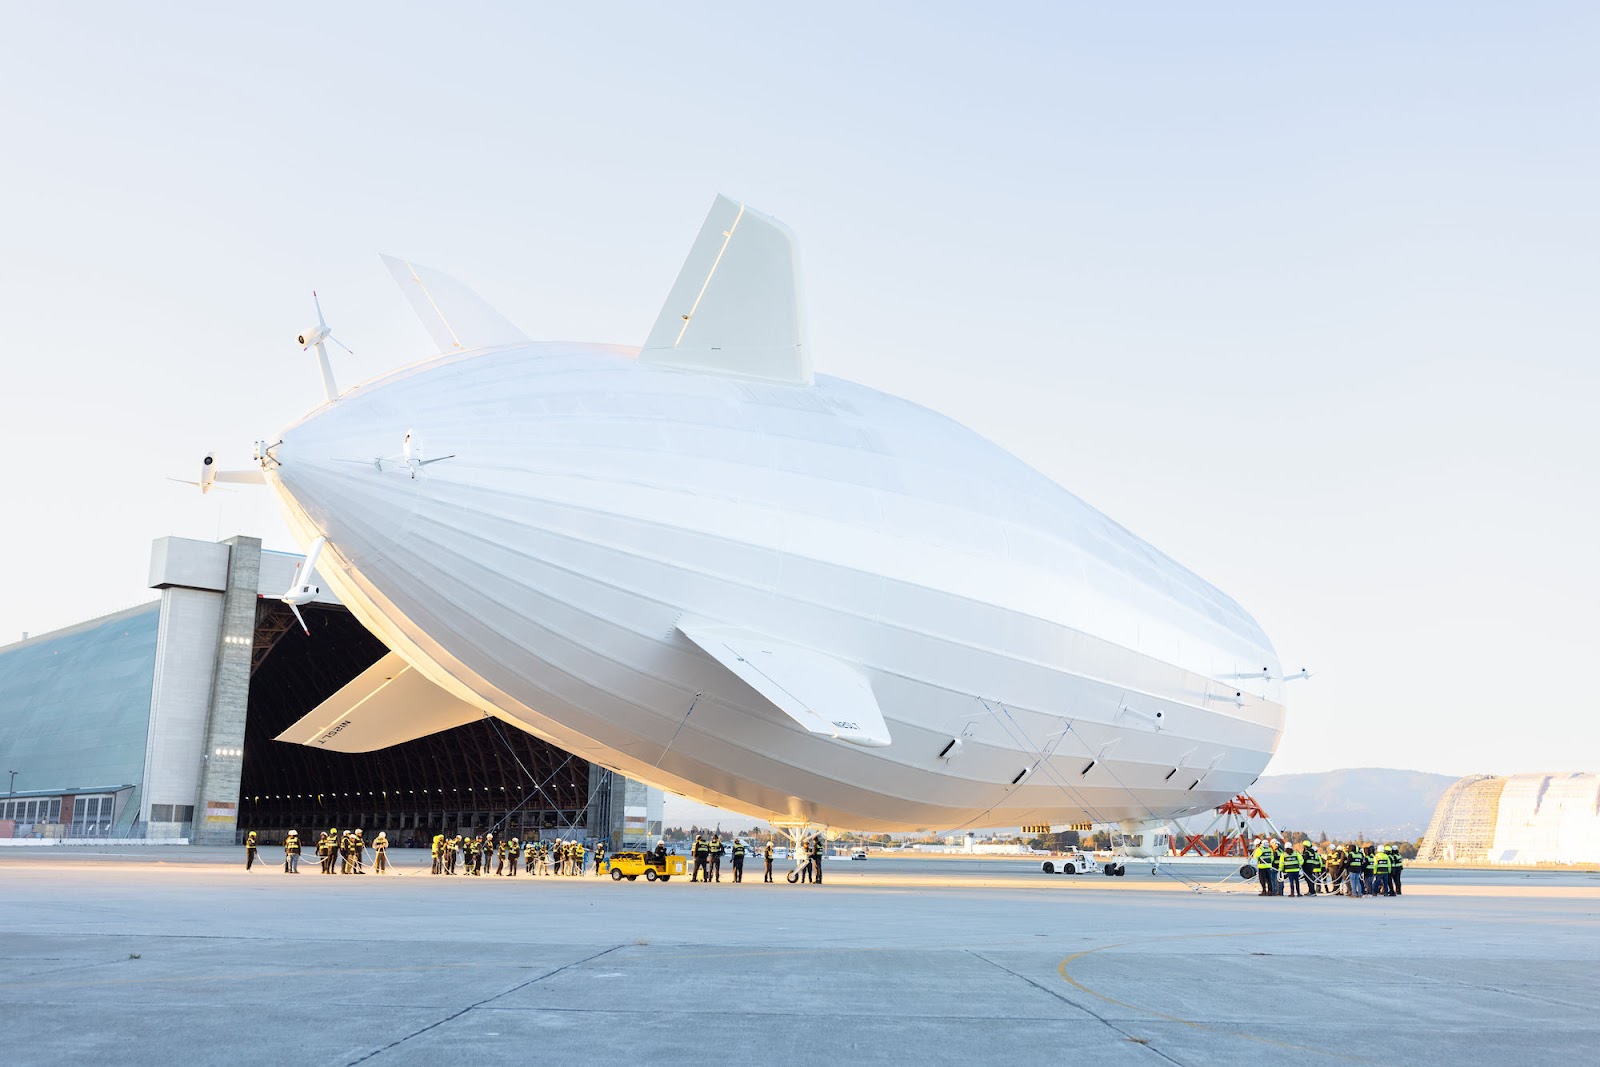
(706, 566)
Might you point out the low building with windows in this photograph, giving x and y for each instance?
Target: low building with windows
(159, 723)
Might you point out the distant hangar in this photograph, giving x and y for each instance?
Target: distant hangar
(1520, 819)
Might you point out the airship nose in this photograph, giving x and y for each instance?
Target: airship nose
(331, 470)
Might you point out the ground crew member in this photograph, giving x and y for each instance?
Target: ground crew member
(513, 853)
(291, 853)
(599, 857)
(1270, 859)
(380, 853)
(701, 851)
(1259, 855)
(1356, 866)
(578, 852)
(1380, 872)
(529, 850)
(1290, 863)
(738, 860)
(766, 854)
(500, 859)
(818, 847)
(718, 849)
(438, 853)
(1313, 867)
(1335, 869)
(249, 849)
(1396, 865)
(332, 839)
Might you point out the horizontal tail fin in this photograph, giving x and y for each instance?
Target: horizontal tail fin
(388, 703)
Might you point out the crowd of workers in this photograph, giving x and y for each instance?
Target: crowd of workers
(475, 855)
(344, 852)
(708, 858)
(338, 851)
(1353, 870)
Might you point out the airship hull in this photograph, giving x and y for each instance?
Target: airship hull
(1033, 662)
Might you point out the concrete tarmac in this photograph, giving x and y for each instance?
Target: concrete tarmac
(177, 955)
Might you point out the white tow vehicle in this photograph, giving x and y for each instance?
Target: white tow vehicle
(1077, 861)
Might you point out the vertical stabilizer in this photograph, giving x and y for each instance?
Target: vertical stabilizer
(454, 316)
(736, 307)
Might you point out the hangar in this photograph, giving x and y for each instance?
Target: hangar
(158, 723)
(1520, 819)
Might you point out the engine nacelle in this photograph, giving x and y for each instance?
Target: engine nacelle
(301, 593)
(208, 472)
(307, 338)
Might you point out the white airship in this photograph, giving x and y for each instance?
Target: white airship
(707, 567)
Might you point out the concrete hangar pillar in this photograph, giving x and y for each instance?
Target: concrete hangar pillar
(201, 690)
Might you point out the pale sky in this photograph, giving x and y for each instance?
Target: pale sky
(1306, 298)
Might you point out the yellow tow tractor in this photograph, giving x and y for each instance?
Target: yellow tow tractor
(631, 865)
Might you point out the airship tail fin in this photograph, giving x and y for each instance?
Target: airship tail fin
(817, 691)
(454, 316)
(386, 704)
(736, 308)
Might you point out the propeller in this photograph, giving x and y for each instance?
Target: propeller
(314, 338)
(208, 474)
(301, 590)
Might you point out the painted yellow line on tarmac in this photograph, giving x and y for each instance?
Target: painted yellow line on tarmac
(1064, 965)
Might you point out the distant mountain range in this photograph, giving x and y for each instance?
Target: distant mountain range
(1372, 802)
